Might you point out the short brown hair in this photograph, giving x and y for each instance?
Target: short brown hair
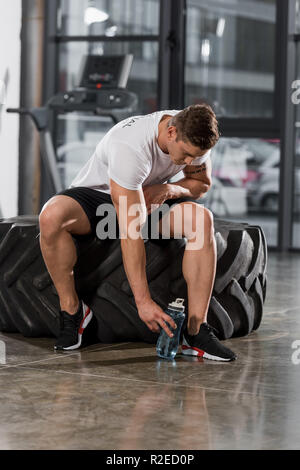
(198, 125)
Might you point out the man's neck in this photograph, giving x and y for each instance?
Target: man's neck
(162, 133)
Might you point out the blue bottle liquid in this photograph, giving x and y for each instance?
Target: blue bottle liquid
(167, 347)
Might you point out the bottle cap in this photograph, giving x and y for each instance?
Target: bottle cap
(177, 305)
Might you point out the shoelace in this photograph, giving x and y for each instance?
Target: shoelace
(68, 323)
(212, 331)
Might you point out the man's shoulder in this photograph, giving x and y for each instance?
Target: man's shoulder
(133, 131)
(143, 119)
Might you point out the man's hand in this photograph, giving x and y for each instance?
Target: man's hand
(155, 195)
(155, 317)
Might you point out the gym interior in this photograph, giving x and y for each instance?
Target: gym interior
(72, 69)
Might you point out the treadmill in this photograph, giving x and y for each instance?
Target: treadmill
(102, 92)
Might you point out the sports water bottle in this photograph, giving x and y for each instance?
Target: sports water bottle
(167, 347)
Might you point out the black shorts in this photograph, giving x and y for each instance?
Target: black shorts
(90, 200)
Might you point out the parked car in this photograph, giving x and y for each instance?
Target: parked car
(263, 192)
(225, 200)
(238, 160)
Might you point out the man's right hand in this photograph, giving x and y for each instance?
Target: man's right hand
(155, 317)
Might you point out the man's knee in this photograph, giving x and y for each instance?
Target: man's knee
(198, 226)
(51, 219)
(196, 218)
(187, 220)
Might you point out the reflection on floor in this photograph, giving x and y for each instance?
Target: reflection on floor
(121, 397)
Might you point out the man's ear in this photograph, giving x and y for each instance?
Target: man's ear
(172, 132)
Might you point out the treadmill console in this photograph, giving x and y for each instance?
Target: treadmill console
(105, 71)
(102, 90)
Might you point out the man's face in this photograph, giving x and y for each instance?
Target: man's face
(182, 153)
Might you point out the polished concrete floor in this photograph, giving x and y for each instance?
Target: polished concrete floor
(120, 396)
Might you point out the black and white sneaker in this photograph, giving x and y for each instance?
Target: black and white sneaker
(72, 328)
(206, 344)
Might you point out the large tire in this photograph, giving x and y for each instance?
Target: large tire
(29, 302)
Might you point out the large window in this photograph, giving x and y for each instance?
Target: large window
(296, 182)
(114, 25)
(230, 56)
(143, 77)
(230, 59)
(119, 27)
(103, 27)
(231, 65)
(108, 17)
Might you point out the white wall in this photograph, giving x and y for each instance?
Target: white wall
(10, 58)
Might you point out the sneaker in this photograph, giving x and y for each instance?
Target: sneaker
(72, 328)
(206, 344)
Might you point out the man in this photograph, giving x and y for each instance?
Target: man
(134, 161)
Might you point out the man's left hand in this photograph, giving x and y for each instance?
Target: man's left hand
(155, 196)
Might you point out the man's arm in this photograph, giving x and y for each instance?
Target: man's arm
(134, 256)
(196, 183)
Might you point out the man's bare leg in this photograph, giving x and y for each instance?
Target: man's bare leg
(199, 270)
(61, 217)
(200, 257)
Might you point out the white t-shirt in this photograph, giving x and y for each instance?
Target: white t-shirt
(129, 154)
